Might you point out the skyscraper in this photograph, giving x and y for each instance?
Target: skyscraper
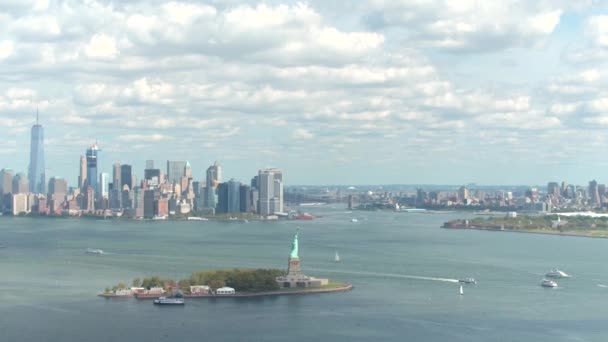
(126, 176)
(214, 177)
(92, 162)
(104, 178)
(270, 182)
(36, 174)
(175, 171)
(20, 184)
(594, 196)
(82, 178)
(116, 173)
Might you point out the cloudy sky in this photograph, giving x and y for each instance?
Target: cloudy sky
(377, 91)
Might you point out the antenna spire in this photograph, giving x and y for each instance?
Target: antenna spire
(36, 115)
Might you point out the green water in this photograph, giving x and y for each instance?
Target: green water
(48, 285)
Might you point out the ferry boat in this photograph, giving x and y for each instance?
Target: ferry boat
(169, 301)
(468, 281)
(548, 283)
(93, 251)
(555, 273)
(304, 216)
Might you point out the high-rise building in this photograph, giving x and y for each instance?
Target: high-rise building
(104, 179)
(152, 177)
(36, 173)
(553, 189)
(175, 171)
(214, 177)
(222, 198)
(6, 181)
(245, 198)
(270, 182)
(116, 173)
(58, 188)
(463, 194)
(126, 176)
(82, 178)
(594, 196)
(92, 163)
(20, 184)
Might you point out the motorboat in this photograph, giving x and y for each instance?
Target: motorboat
(555, 273)
(470, 281)
(354, 220)
(169, 301)
(548, 283)
(93, 251)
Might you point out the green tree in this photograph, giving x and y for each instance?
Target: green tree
(136, 282)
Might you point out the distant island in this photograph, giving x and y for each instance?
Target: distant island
(586, 226)
(231, 283)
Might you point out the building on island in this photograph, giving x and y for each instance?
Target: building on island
(225, 291)
(199, 289)
(294, 276)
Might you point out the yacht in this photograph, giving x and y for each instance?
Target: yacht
(93, 251)
(169, 301)
(555, 273)
(548, 283)
(468, 281)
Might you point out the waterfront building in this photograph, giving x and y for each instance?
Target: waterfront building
(6, 188)
(214, 177)
(234, 200)
(150, 196)
(245, 198)
(20, 184)
(294, 276)
(126, 176)
(175, 171)
(36, 171)
(92, 163)
(270, 183)
(58, 189)
(255, 196)
(104, 185)
(82, 177)
(19, 203)
(138, 203)
(161, 207)
(222, 198)
(89, 199)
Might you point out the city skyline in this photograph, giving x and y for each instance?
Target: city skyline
(453, 92)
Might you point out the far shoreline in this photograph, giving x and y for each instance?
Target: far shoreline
(345, 287)
(526, 232)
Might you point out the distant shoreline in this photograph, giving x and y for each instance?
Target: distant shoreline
(345, 287)
(555, 233)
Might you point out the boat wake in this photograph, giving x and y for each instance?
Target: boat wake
(602, 285)
(391, 275)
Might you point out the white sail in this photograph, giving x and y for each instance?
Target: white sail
(461, 290)
(337, 257)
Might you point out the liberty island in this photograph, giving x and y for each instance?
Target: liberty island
(232, 283)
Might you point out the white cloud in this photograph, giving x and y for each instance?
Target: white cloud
(101, 45)
(6, 49)
(303, 134)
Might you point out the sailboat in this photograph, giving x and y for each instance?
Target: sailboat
(461, 291)
(337, 257)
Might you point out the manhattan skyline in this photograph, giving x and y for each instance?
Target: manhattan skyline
(451, 93)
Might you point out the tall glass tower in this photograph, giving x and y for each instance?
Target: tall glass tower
(92, 155)
(36, 175)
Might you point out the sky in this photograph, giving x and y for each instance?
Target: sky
(332, 92)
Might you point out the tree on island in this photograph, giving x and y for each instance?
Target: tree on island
(136, 282)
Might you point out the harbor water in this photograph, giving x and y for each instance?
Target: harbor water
(403, 266)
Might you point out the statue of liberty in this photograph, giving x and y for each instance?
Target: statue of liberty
(294, 246)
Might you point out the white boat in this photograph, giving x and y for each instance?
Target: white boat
(337, 257)
(548, 283)
(461, 290)
(555, 273)
(354, 220)
(194, 218)
(471, 281)
(169, 301)
(93, 251)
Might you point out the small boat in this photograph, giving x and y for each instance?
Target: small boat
(354, 220)
(555, 273)
(194, 218)
(337, 257)
(93, 251)
(461, 291)
(471, 281)
(169, 301)
(548, 283)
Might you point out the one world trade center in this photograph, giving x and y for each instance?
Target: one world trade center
(36, 174)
